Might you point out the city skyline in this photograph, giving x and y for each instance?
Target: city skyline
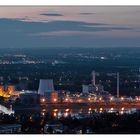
(69, 26)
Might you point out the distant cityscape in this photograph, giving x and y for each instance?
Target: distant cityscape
(73, 85)
(70, 70)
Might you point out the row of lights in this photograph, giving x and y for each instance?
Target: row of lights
(137, 98)
(43, 100)
(111, 109)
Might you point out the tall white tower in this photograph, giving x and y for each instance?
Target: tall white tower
(93, 78)
(117, 84)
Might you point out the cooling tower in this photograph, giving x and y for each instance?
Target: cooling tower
(45, 86)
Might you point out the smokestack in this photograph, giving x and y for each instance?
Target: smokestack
(117, 84)
(93, 78)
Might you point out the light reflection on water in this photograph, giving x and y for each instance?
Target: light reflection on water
(73, 112)
(57, 113)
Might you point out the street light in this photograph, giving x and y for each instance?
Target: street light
(67, 109)
(111, 109)
(89, 99)
(111, 98)
(122, 98)
(122, 108)
(100, 98)
(55, 110)
(89, 109)
(55, 100)
(101, 109)
(43, 100)
(54, 114)
(66, 99)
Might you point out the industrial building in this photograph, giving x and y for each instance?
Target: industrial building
(10, 129)
(45, 87)
(93, 87)
(6, 91)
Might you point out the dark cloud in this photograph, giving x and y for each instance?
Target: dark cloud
(33, 27)
(87, 13)
(51, 14)
(18, 33)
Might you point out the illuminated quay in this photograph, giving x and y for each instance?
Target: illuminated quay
(91, 105)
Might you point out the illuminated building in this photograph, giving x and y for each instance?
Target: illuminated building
(54, 97)
(6, 91)
(94, 88)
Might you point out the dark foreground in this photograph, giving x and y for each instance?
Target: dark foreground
(96, 123)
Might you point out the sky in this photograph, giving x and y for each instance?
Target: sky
(69, 26)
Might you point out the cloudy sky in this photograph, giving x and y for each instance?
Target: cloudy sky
(69, 26)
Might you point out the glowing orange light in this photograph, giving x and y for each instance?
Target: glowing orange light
(55, 100)
(55, 110)
(111, 108)
(89, 99)
(44, 110)
(66, 99)
(122, 98)
(8, 92)
(111, 98)
(89, 109)
(100, 98)
(54, 114)
(43, 100)
(67, 109)
(101, 109)
(122, 108)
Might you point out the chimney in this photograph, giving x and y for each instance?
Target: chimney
(117, 84)
(93, 78)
